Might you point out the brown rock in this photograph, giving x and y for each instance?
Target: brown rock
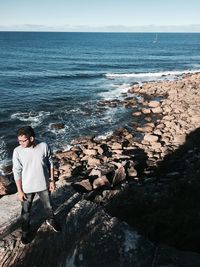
(154, 104)
(120, 175)
(116, 146)
(137, 113)
(93, 162)
(146, 110)
(90, 152)
(157, 110)
(150, 138)
(101, 181)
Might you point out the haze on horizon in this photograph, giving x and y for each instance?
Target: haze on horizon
(100, 16)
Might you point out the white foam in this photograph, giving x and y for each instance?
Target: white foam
(104, 136)
(148, 74)
(116, 92)
(57, 131)
(35, 118)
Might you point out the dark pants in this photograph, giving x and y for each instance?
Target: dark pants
(27, 204)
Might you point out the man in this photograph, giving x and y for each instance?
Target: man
(31, 163)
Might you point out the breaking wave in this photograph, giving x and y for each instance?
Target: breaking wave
(149, 74)
(34, 118)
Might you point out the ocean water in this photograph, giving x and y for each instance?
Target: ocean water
(48, 78)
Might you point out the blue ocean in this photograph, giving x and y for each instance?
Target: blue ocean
(49, 78)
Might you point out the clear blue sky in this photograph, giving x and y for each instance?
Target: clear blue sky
(100, 15)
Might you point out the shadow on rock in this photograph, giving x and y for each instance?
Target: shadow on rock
(165, 207)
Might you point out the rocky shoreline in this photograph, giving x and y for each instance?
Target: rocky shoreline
(146, 174)
(166, 124)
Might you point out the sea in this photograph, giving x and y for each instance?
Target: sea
(49, 78)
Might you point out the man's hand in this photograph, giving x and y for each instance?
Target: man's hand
(52, 186)
(22, 196)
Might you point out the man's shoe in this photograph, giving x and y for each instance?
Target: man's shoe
(25, 238)
(53, 225)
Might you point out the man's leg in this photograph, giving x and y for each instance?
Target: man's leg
(46, 201)
(25, 215)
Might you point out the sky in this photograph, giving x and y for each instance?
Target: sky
(100, 15)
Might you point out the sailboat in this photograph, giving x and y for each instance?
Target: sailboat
(156, 39)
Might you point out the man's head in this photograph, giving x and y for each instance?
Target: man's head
(26, 136)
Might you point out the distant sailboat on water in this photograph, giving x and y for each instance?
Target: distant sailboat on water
(155, 39)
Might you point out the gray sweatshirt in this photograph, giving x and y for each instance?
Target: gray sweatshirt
(32, 164)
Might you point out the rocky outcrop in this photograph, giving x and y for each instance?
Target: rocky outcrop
(146, 174)
(7, 185)
(89, 237)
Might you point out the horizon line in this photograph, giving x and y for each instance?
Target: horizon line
(46, 31)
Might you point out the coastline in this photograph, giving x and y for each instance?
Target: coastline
(169, 112)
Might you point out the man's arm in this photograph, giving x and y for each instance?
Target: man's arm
(51, 179)
(21, 194)
(17, 170)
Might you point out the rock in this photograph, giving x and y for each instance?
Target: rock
(119, 176)
(90, 152)
(145, 129)
(3, 190)
(109, 241)
(7, 169)
(157, 110)
(72, 155)
(83, 187)
(93, 162)
(57, 126)
(136, 114)
(154, 104)
(100, 181)
(99, 149)
(132, 172)
(7, 186)
(116, 146)
(146, 111)
(82, 140)
(65, 171)
(78, 170)
(106, 168)
(150, 138)
(128, 136)
(180, 139)
(65, 168)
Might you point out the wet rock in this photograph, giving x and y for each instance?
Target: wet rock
(57, 126)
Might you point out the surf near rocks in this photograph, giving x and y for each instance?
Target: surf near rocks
(168, 111)
(159, 153)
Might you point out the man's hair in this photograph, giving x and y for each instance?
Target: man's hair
(27, 131)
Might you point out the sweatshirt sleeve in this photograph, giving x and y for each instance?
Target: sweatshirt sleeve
(17, 166)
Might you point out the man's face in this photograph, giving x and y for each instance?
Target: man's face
(25, 141)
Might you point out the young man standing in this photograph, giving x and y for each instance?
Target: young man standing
(32, 167)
